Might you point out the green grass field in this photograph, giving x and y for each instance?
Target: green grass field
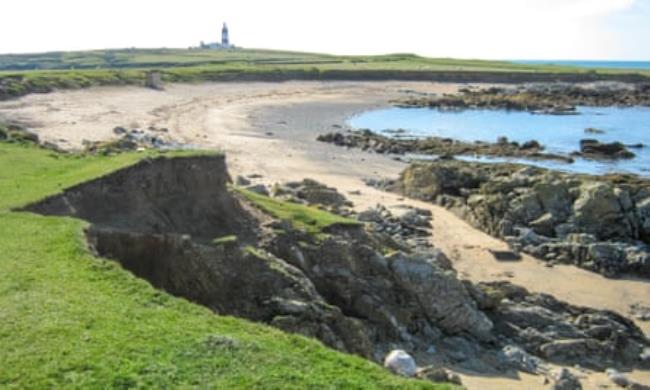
(25, 73)
(166, 58)
(69, 320)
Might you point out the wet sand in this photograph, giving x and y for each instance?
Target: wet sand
(270, 129)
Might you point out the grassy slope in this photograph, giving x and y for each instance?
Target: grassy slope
(70, 320)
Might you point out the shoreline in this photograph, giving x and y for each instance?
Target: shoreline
(239, 118)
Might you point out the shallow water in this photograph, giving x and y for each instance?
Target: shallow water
(559, 133)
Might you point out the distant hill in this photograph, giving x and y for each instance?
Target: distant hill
(163, 58)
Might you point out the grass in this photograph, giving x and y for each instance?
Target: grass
(308, 219)
(69, 320)
(175, 58)
(26, 73)
(231, 239)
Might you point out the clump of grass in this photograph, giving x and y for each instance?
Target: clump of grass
(309, 219)
(231, 239)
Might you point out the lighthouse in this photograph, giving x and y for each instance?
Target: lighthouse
(225, 42)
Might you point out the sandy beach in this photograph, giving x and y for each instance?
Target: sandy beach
(270, 129)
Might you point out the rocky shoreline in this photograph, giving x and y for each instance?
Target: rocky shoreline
(546, 98)
(368, 141)
(598, 223)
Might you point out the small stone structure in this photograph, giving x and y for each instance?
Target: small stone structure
(153, 80)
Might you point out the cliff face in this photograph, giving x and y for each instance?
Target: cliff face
(178, 195)
(175, 223)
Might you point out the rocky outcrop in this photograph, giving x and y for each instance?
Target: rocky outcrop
(411, 229)
(368, 141)
(558, 332)
(134, 139)
(410, 297)
(601, 224)
(594, 149)
(313, 193)
(548, 98)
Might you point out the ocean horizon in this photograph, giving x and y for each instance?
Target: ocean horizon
(589, 63)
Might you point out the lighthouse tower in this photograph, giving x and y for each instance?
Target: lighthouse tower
(225, 42)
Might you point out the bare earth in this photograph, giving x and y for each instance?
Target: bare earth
(270, 129)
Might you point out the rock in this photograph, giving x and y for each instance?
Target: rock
(370, 215)
(544, 225)
(645, 355)
(313, 193)
(536, 211)
(592, 130)
(538, 98)
(242, 181)
(519, 359)
(565, 380)
(400, 363)
(598, 211)
(530, 145)
(639, 312)
(438, 375)
(592, 148)
(119, 130)
(617, 378)
(392, 142)
(440, 295)
(413, 218)
(258, 189)
(559, 332)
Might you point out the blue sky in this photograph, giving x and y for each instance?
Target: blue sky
(495, 29)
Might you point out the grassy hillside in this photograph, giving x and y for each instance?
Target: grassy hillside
(165, 58)
(70, 320)
(148, 58)
(27, 73)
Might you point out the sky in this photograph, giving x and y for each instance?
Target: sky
(486, 29)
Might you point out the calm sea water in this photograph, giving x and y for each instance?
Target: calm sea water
(590, 64)
(559, 133)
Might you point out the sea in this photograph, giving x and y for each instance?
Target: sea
(558, 133)
(591, 64)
